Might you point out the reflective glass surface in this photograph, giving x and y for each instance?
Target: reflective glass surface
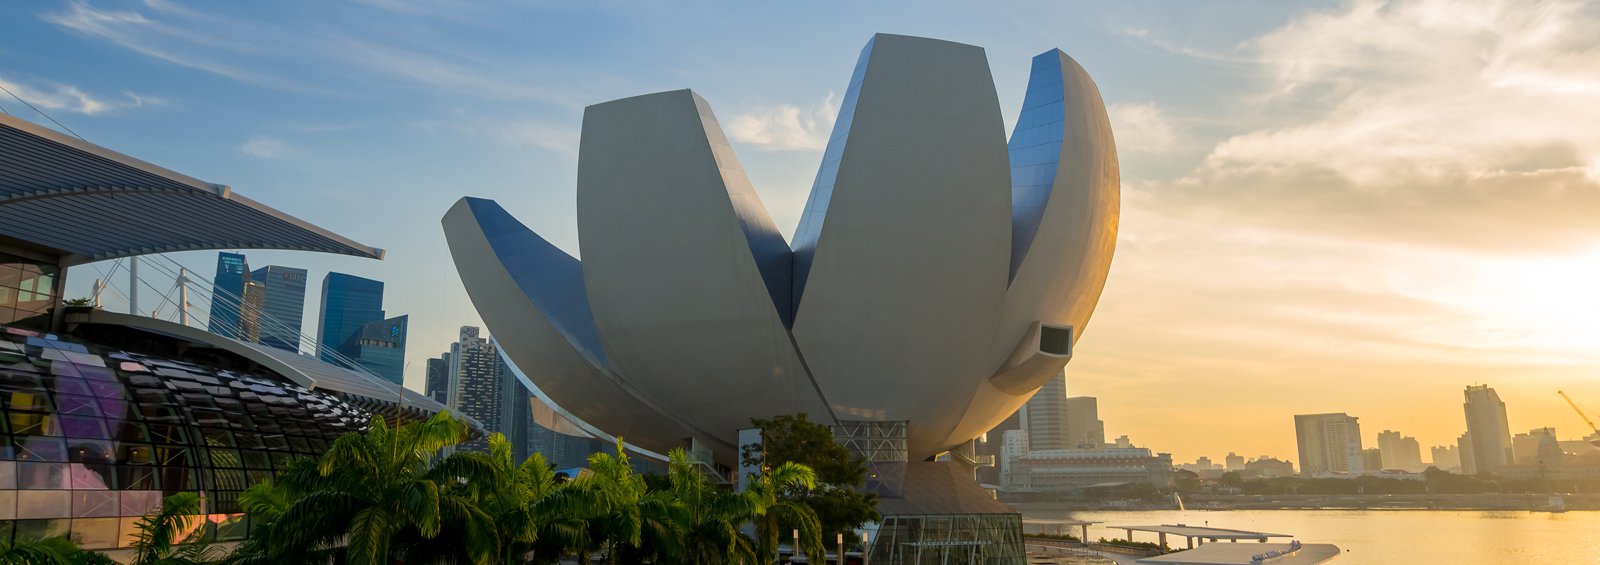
(1035, 150)
(348, 303)
(92, 437)
(26, 289)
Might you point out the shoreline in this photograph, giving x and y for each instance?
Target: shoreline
(1417, 502)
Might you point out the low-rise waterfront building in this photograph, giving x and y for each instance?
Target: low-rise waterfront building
(1070, 469)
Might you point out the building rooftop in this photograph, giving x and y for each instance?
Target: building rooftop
(67, 197)
(358, 388)
(1245, 553)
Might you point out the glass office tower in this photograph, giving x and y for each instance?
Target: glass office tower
(349, 302)
(227, 289)
(283, 307)
(380, 347)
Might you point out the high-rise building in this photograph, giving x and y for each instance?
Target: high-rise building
(1014, 445)
(227, 292)
(349, 302)
(1399, 452)
(478, 389)
(1084, 428)
(1234, 462)
(1047, 415)
(1371, 459)
(1487, 428)
(284, 307)
(1329, 443)
(516, 416)
(1446, 457)
(1469, 463)
(255, 294)
(438, 379)
(380, 347)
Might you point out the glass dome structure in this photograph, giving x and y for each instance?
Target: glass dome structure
(93, 436)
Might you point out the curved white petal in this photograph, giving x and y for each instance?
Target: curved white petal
(906, 240)
(687, 276)
(1066, 197)
(531, 296)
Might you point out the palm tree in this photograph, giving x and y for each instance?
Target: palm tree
(532, 511)
(374, 488)
(47, 551)
(777, 512)
(174, 535)
(713, 516)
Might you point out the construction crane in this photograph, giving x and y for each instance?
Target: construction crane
(1585, 417)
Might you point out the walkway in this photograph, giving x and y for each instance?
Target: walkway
(1039, 548)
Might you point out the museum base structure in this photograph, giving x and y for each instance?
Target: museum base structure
(933, 511)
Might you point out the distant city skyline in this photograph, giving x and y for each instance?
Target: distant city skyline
(1305, 228)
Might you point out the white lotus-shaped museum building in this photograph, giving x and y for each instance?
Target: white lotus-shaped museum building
(938, 277)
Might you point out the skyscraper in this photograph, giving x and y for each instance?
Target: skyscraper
(380, 347)
(1234, 461)
(1487, 428)
(516, 415)
(348, 303)
(1084, 428)
(227, 291)
(438, 379)
(475, 370)
(1446, 457)
(255, 294)
(1047, 416)
(1469, 463)
(1399, 452)
(1329, 443)
(284, 306)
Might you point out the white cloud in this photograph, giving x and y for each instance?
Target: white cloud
(786, 127)
(68, 98)
(277, 57)
(264, 147)
(1142, 127)
(1431, 88)
(1416, 122)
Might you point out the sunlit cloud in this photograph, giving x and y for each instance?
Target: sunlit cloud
(1143, 128)
(786, 127)
(1421, 211)
(69, 98)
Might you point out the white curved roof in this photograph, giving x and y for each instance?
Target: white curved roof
(121, 206)
(363, 390)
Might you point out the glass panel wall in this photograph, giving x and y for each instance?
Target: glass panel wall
(27, 290)
(91, 438)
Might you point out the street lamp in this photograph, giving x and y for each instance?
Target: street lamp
(796, 545)
(866, 550)
(841, 549)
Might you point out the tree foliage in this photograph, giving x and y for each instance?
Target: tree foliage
(387, 496)
(837, 500)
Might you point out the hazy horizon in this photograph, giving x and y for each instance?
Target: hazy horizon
(1355, 207)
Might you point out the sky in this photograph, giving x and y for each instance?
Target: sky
(1356, 207)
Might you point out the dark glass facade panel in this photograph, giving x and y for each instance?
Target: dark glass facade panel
(283, 306)
(232, 272)
(27, 290)
(92, 438)
(348, 303)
